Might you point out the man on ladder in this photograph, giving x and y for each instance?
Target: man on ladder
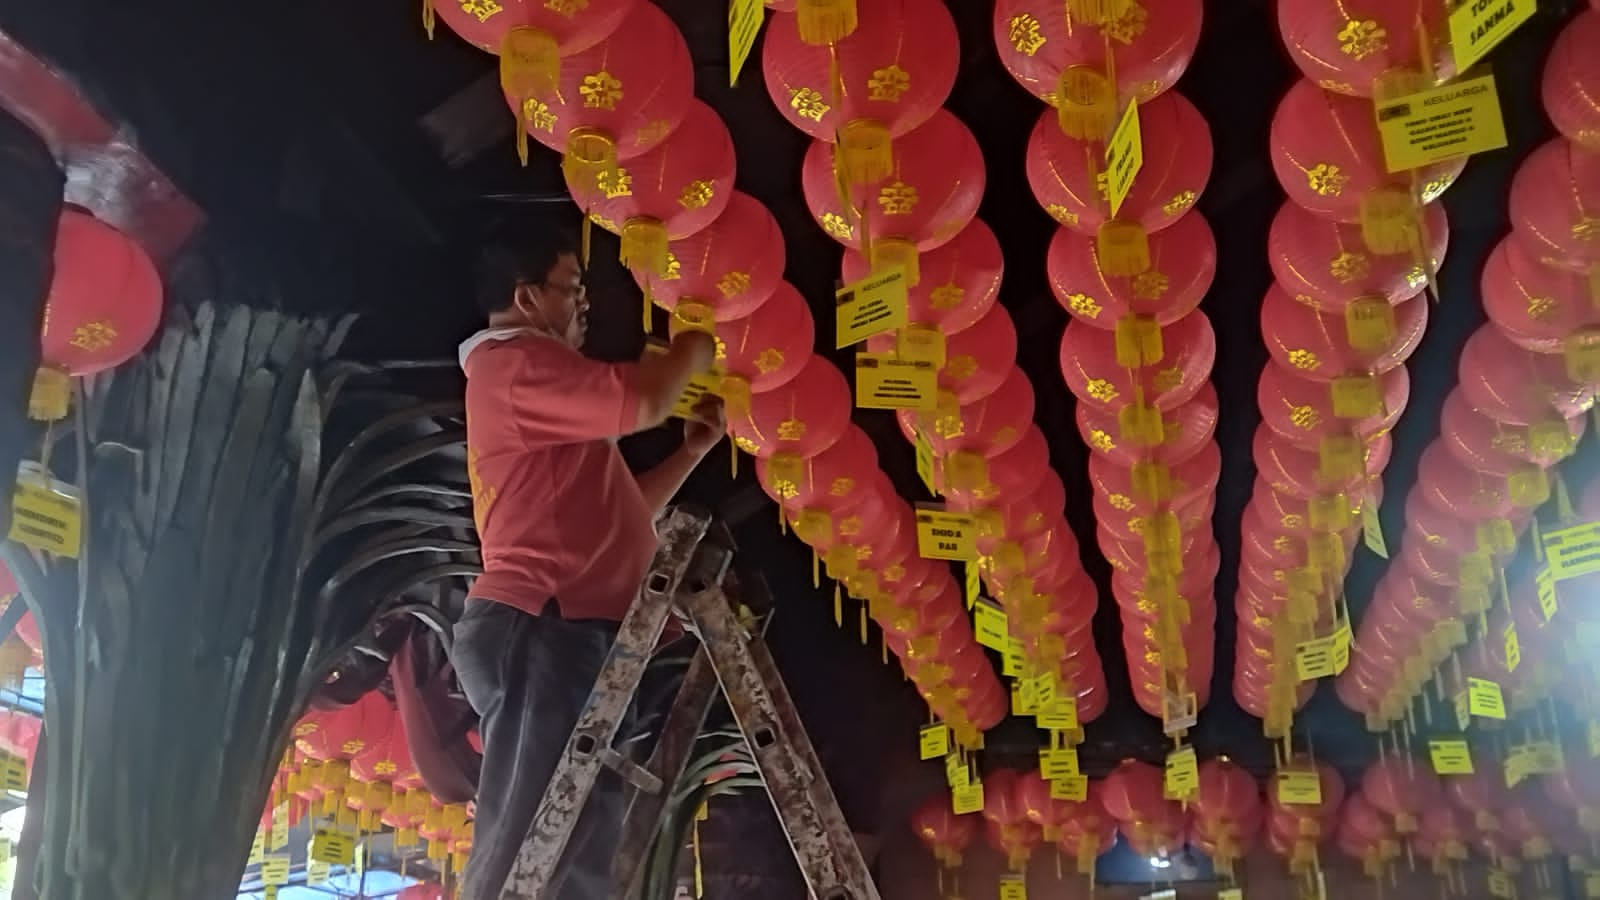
(566, 531)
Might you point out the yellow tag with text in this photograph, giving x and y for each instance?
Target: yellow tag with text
(1022, 699)
(1484, 699)
(1060, 715)
(956, 773)
(871, 306)
(1299, 789)
(1013, 887)
(1058, 764)
(1231, 894)
(989, 623)
(1011, 661)
(946, 535)
(1548, 602)
(1501, 885)
(886, 382)
(1478, 26)
(974, 584)
(13, 773)
(1573, 552)
(1124, 157)
(1356, 396)
(1044, 691)
(279, 838)
(1463, 710)
(935, 741)
(1313, 659)
(1441, 123)
(1372, 529)
(275, 869)
(333, 847)
(967, 798)
(925, 469)
(1517, 766)
(1450, 756)
(1074, 789)
(46, 514)
(258, 848)
(744, 23)
(1513, 647)
(699, 386)
(317, 873)
(1182, 777)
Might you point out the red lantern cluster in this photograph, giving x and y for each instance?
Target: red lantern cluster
(1134, 795)
(1137, 352)
(1526, 378)
(1228, 812)
(1352, 252)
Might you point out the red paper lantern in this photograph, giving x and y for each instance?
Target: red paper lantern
(1302, 411)
(804, 417)
(566, 26)
(1325, 264)
(669, 193)
(1183, 261)
(1536, 306)
(1326, 151)
(765, 349)
(930, 195)
(104, 306)
(1403, 789)
(890, 75)
(1005, 478)
(1571, 89)
(1555, 206)
(1516, 386)
(946, 834)
(1134, 792)
(1297, 471)
(616, 100)
(1186, 431)
(976, 361)
(1191, 481)
(1368, 48)
(725, 271)
(345, 732)
(837, 476)
(1227, 793)
(1320, 346)
(1064, 171)
(959, 284)
(1484, 445)
(988, 427)
(1093, 373)
(1138, 55)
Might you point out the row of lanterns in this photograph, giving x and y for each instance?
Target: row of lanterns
(1526, 378)
(1352, 253)
(1131, 271)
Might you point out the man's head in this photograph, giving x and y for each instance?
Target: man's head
(532, 276)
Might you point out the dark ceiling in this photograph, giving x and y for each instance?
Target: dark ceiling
(362, 159)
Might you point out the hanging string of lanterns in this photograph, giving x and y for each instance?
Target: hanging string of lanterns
(1131, 263)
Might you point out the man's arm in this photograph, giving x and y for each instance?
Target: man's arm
(703, 430)
(661, 379)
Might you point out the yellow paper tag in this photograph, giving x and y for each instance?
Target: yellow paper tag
(1501, 884)
(317, 873)
(925, 464)
(744, 23)
(1450, 756)
(269, 892)
(884, 382)
(1544, 757)
(1548, 602)
(1231, 894)
(279, 837)
(956, 773)
(989, 623)
(967, 798)
(1060, 715)
(1442, 123)
(1074, 789)
(1372, 529)
(946, 535)
(333, 847)
(1356, 397)
(258, 848)
(1013, 887)
(1313, 659)
(46, 514)
(1516, 766)
(1124, 157)
(1573, 552)
(1058, 764)
(1513, 647)
(1011, 661)
(1044, 691)
(1484, 699)
(1369, 324)
(1591, 885)
(871, 306)
(1463, 710)
(974, 584)
(1022, 699)
(698, 387)
(275, 869)
(1299, 789)
(935, 741)
(1478, 26)
(1594, 739)
(13, 773)
(1182, 774)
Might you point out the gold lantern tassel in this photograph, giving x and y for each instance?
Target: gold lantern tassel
(863, 624)
(866, 151)
(644, 245)
(586, 239)
(1123, 248)
(699, 871)
(1097, 12)
(890, 252)
(1391, 221)
(530, 63)
(591, 155)
(825, 21)
(838, 606)
(51, 398)
(428, 18)
(1086, 103)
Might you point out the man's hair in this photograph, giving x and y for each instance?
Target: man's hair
(518, 253)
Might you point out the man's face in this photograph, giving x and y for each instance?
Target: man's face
(563, 300)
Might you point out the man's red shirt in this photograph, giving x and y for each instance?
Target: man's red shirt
(558, 512)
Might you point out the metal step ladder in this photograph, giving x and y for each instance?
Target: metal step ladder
(688, 577)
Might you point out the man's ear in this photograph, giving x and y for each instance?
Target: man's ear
(523, 300)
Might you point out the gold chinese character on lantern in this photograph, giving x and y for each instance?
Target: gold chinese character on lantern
(538, 115)
(747, 445)
(1361, 39)
(898, 199)
(769, 360)
(604, 222)
(568, 8)
(733, 284)
(94, 337)
(600, 91)
(697, 194)
(1303, 359)
(791, 430)
(1101, 390)
(1167, 380)
(888, 84)
(1305, 417)
(1126, 28)
(674, 268)
(614, 183)
(1025, 35)
(837, 227)
(1326, 180)
(1062, 214)
(1150, 285)
(386, 767)
(1120, 502)
(1348, 266)
(1587, 229)
(1542, 307)
(482, 10)
(842, 486)
(1102, 441)
(1435, 189)
(946, 296)
(1083, 305)
(808, 103)
(1180, 201)
(961, 367)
